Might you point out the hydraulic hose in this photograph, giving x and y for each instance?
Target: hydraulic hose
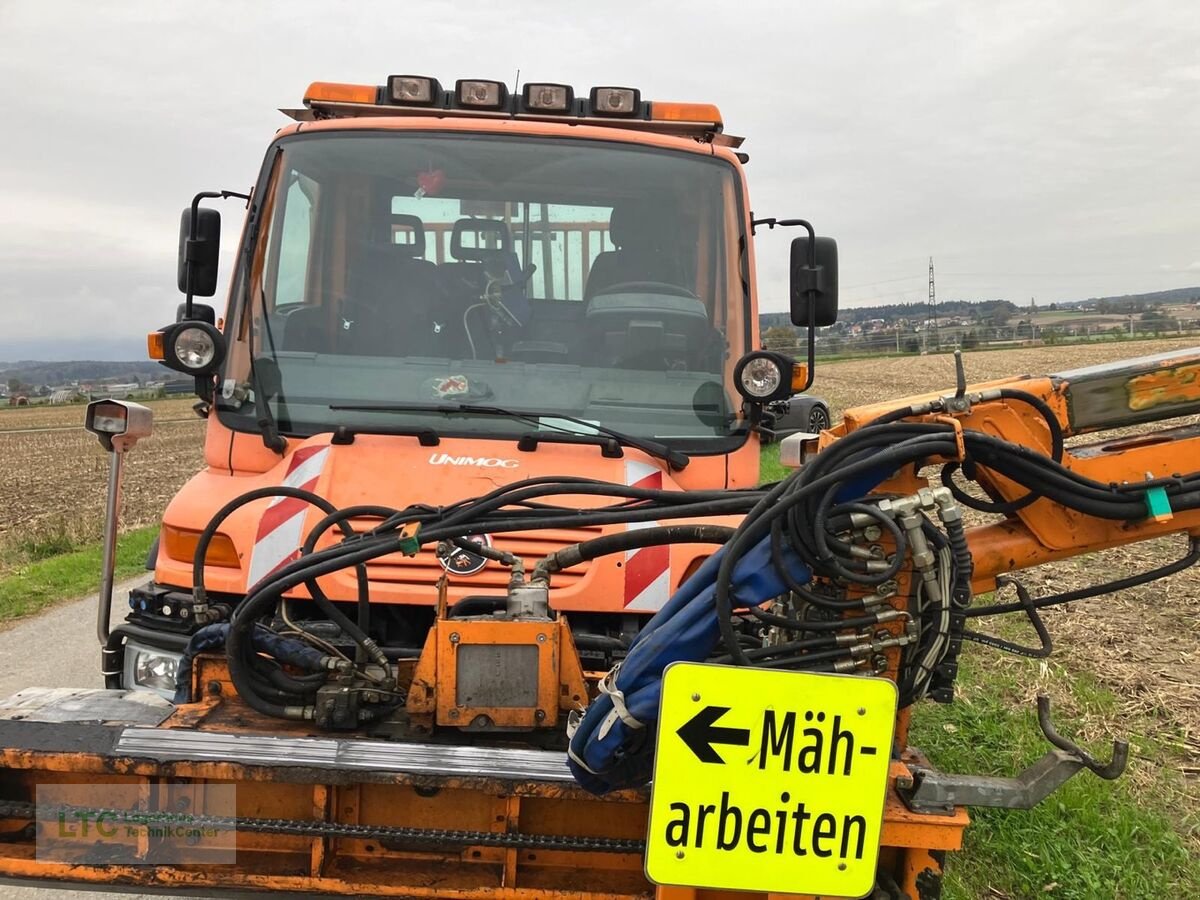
(623, 541)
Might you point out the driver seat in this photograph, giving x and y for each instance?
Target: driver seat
(644, 252)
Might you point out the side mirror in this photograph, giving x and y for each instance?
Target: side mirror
(199, 250)
(814, 288)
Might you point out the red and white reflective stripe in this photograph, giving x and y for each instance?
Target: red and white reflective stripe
(281, 528)
(647, 570)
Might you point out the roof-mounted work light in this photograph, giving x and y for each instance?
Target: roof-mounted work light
(548, 98)
(481, 94)
(414, 90)
(616, 101)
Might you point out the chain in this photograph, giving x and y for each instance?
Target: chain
(382, 833)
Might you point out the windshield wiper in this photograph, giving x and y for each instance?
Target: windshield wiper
(676, 459)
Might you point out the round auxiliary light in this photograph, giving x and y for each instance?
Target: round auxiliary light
(195, 348)
(763, 376)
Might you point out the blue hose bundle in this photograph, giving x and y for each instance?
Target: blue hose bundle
(612, 745)
(211, 637)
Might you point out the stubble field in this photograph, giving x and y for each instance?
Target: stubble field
(56, 475)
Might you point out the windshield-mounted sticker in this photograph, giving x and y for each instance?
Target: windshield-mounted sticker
(452, 386)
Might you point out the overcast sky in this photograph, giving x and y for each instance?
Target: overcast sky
(1034, 149)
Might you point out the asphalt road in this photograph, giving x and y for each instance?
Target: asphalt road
(57, 649)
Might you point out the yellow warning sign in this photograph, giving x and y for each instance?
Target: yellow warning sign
(769, 780)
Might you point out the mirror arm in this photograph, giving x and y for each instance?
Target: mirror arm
(195, 225)
(812, 346)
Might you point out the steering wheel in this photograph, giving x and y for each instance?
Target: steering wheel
(646, 287)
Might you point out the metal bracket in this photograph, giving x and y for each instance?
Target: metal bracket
(931, 791)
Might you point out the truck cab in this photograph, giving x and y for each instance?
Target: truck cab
(432, 299)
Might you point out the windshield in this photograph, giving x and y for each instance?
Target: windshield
(592, 279)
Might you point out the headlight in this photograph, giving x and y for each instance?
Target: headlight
(194, 347)
(763, 376)
(150, 669)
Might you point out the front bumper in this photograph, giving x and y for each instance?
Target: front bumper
(341, 816)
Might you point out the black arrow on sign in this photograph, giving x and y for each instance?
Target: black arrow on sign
(700, 732)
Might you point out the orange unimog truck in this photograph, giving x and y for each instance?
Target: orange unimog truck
(479, 549)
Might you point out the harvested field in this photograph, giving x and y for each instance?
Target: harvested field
(854, 382)
(57, 472)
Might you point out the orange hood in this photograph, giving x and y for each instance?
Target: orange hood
(397, 472)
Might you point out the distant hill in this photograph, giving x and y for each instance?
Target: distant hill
(913, 312)
(1140, 301)
(986, 310)
(37, 372)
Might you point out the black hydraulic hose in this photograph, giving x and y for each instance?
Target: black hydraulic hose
(277, 684)
(996, 507)
(332, 559)
(631, 540)
(476, 606)
(805, 661)
(821, 642)
(1191, 558)
(232, 506)
(821, 532)
(1046, 644)
(359, 633)
(244, 678)
(487, 552)
(770, 618)
(828, 603)
(262, 493)
(308, 568)
(790, 495)
(589, 641)
(964, 561)
(1052, 423)
(338, 516)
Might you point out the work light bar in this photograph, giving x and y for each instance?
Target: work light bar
(604, 105)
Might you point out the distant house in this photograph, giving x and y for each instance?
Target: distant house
(119, 391)
(64, 395)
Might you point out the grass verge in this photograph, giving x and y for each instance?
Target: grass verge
(39, 583)
(1092, 838)
(769, 466)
